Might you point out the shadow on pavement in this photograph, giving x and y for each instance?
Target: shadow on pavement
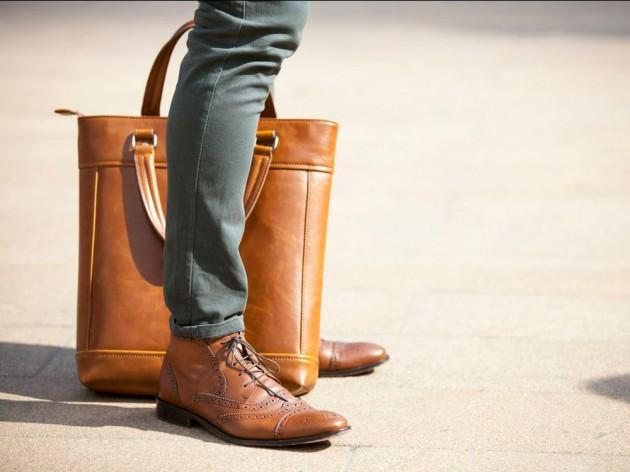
(47, 373)
(616, 387)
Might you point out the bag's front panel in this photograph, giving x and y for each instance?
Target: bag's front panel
(283, 250)
(106, 140)
(128, 310)
(303, 142)
(316, 220)
(272, 251)
(123, 323)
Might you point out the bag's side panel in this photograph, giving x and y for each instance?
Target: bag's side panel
(88, 191)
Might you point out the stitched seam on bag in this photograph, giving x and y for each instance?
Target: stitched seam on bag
(159, 165)
(191, 258)
(298, 166)
(261, 180)
(253, 171)
(163, 165)
(109, 354)
(255, 195)
(301, 164)
(262, 120)
(92, 250)
(162, 353)
(130, 351)
(304, 250)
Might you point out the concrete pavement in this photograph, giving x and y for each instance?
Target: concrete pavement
(479, 229)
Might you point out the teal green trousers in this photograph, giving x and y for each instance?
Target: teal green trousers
(234, 53)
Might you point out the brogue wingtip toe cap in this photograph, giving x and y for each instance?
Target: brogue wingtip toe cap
(313, 423)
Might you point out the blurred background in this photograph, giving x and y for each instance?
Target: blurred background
(479, 229)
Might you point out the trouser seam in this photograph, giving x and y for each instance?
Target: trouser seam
(197, 171)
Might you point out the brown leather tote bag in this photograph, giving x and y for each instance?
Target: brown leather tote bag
(122, 322)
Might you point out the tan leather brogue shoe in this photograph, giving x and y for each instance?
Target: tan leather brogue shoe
(225, 386)
(339, 359)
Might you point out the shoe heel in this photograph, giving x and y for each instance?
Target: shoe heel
(172, 414)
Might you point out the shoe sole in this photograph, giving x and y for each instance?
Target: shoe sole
(365, 369)
(181, 417)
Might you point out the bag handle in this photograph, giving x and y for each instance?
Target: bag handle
(155, 83)
(144, 142)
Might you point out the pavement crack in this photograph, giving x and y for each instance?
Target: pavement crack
(348, 461)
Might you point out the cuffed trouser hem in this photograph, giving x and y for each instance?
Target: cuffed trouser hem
(230, 326)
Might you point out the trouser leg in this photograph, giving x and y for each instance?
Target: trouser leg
(234, 53)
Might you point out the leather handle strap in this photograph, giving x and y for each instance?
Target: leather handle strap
(155, 83)
(261, 162)
(144, 142)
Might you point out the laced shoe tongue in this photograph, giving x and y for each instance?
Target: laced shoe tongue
(255, 366)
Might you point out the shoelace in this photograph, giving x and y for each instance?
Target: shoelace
(252, 363)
